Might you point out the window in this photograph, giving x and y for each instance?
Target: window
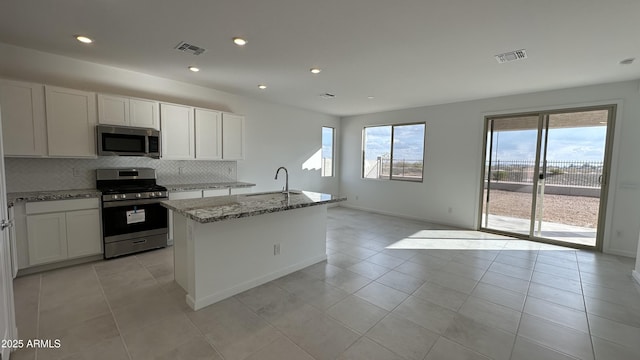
(393, 152)
(328, 136)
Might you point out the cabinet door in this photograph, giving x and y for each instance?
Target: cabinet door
(144, 113)
(83, 233)
(113, 110)
(232, 137)
(208, 135)
(177, 132)
(71, 120)
(47, 238)
(24, 130)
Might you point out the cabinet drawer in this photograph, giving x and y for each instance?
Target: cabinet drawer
(41, 207)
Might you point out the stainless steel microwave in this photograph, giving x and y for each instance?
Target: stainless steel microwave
(128, 141)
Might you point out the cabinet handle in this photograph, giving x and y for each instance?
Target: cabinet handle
(140, 241)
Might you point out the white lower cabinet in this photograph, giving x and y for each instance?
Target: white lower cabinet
(83, 233)
(47, 237)
(62, 229)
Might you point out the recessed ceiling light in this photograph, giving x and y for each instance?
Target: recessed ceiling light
(262, 86)
(83, 39)
(194, 68)
(628, 61)
(370, 97)
(239, 41)
(315, 70)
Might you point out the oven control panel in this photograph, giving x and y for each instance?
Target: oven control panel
(135, 196)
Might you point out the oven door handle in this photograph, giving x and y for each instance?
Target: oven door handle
(112, 204)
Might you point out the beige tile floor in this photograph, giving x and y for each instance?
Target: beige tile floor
(391, 289)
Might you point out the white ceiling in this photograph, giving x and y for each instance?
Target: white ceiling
(405, 53)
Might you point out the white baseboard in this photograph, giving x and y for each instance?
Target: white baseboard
(636, 275)
(197, 304)
(619, 252)
(402, 216)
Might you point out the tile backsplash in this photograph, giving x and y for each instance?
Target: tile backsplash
(26, 174)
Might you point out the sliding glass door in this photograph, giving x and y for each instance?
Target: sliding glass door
(545, 175)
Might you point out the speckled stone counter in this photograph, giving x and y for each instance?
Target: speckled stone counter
(205, 186)
(27, 196)
(221, 208)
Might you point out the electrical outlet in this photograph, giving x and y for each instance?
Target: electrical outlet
(450, 210)
(180, 170)
(276, 249)
(356, 197)
(229, 170)
(76, 172)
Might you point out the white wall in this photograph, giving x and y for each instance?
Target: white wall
(636, 272)
(453, 157)
(276, 135)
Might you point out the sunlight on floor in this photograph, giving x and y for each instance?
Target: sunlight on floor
(466, 240)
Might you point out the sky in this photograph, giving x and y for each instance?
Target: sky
(585, 144)
(327, 142)
(565, 144)
(408, 142)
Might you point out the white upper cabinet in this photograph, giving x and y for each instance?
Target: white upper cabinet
(144, 113)
(208, 134)
(24, 126)
(113, 110)
(71, 120)
(124, 111)
(178, 133)
(232, 136)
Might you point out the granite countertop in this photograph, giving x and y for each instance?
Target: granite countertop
(203, 186)
(212, 209)
(12, 198)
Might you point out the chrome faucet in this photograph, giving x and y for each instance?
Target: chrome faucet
(286, 173)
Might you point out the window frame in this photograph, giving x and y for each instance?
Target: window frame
(333, 152)
(391, 158)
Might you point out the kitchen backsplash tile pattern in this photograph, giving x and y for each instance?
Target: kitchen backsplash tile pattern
(26, 174)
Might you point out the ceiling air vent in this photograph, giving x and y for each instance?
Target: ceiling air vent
(511, 56)
(189, 48)
(327, 96)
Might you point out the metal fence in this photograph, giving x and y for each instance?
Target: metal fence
(402, 169)
(562, 173)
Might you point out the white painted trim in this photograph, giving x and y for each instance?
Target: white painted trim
(636, 275)
(221, 295)
(619, 253)
(402, 216)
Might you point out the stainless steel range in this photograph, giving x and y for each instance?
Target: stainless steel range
(132, 218)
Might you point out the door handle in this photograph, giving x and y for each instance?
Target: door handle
(5, 224)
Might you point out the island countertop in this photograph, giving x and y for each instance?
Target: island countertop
(219, 208)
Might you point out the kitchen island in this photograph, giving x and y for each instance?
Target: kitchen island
(228, 244)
